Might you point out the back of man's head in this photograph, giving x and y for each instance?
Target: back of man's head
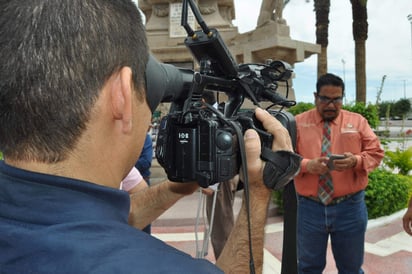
(55, 58)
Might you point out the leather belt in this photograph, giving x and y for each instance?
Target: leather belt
(335, 201)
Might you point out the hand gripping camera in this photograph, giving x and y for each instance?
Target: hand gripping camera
(197, 142)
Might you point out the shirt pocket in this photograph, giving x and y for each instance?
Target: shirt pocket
(350, 140)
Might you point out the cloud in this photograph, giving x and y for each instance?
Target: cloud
(388, 47)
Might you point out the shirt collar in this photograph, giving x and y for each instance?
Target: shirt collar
(46, 199)
(319, 119)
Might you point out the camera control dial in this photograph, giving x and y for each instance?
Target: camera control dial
(224, 140)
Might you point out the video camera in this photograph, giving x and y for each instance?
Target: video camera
(197, 142)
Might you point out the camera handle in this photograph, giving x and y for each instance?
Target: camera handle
(197, 15)
(202, 81)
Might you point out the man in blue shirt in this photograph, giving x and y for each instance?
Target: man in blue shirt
(144, 163)
(74, 114)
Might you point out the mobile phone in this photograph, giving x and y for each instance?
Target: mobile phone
(334, 157)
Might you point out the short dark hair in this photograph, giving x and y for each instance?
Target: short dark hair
(55, 58)
(330, 79)
(209, 97)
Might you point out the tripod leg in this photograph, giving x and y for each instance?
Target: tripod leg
(289, 250)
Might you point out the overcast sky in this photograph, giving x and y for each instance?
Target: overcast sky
(388, 48)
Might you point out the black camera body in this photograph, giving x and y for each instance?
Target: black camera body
(195, 141)
(204, 150)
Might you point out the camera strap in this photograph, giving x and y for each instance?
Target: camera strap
(246, 189)
(281, 167)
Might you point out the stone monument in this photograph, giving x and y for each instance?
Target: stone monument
(166, 35)
(269, 40)
(271, 10)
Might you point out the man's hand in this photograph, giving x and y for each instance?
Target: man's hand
(407, 219)
(208, 191)
(282, 139)
(147, 205)
(183, 188)
(347, 163)
(235, 255)
(320, 165)
(317, 165)
(254, 163)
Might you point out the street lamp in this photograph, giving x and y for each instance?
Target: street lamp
(404, 89)
(410, 20)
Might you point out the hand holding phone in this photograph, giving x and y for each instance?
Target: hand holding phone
(334, 157)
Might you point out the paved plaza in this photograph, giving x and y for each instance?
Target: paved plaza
(388, 249)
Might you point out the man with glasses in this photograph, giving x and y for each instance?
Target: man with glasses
(339, 149)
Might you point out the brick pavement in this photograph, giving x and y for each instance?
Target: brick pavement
(388, 249)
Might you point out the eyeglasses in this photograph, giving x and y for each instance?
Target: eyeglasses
(326, 100)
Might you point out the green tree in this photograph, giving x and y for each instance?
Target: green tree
(401, 108)
(360, 34)
(384, 107)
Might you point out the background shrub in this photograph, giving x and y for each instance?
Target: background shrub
(386, 193)
(400, 160)
(370, 112)
(277, 198)
(300, 107)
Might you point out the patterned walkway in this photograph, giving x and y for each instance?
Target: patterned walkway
(388, 247)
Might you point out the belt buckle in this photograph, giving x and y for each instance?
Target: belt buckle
(335, 201)
(313, 198)
(340, 199)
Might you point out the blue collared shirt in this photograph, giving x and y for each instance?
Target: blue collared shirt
(51, 224)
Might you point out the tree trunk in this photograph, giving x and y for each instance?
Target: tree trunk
(360, 70)
(322, 27)
(360, 34)
(323, 61)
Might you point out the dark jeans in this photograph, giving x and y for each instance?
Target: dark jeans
(345, 223)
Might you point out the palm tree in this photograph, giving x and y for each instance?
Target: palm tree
(322, 32)
(360, 34)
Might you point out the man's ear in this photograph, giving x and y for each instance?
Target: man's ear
(121, 98)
